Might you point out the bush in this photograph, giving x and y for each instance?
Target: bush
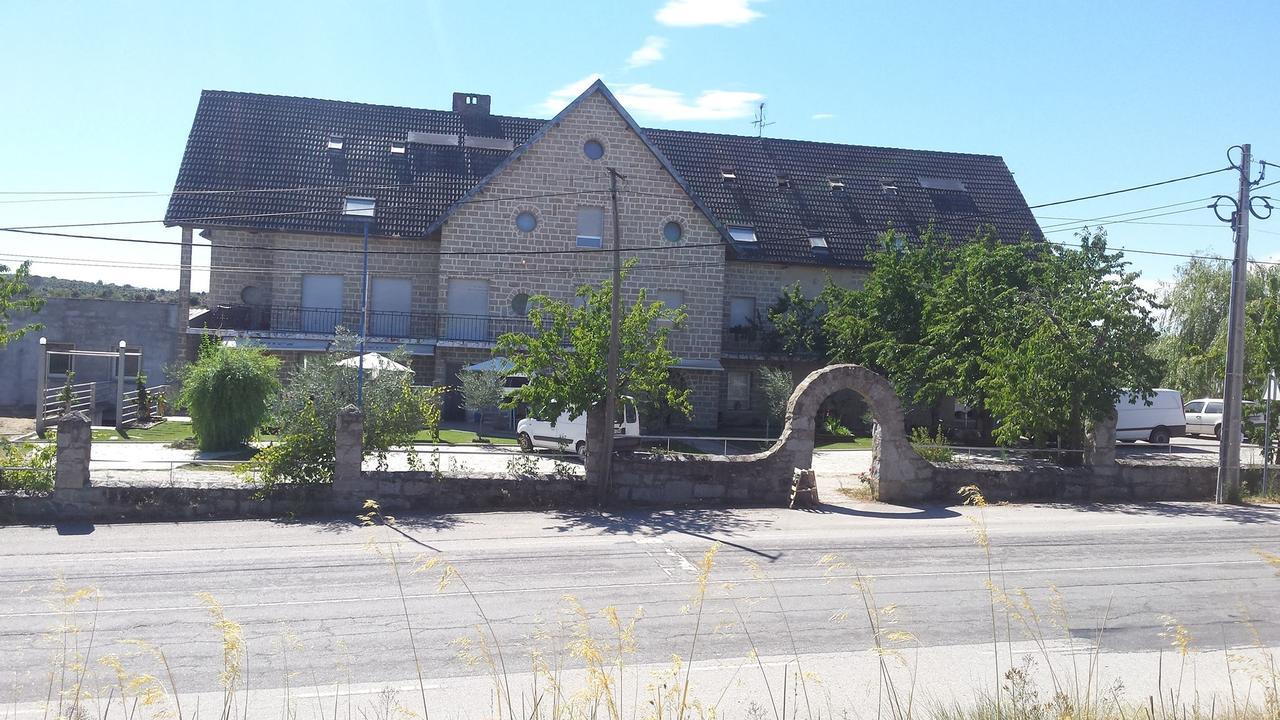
(228, 392)
(306, 414)
(41, 457)
(931, 447)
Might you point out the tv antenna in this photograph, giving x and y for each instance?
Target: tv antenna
(760, 121)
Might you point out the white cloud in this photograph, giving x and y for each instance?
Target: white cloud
(556, 101)
(648, 53)
(647, 100)
(692, 13)
(822, 116)
(644, 100)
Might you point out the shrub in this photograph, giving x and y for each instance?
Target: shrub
(228, 391)
(40, 457)
(831, 425)
(931, 447)
(307, 408)
(481, 391)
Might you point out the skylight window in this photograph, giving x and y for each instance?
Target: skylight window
(399, 147)
(742, 234)
(835, 183)
(728, 175)
(335, 143)
(818, 242)
(933, 183)
(358, 206)
(784, 181)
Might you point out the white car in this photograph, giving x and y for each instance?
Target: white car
(1204, 416)
(571, 433)
(1155, 419)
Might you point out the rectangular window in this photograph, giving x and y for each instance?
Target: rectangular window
(1213, 407)
(739, 390)
(467, 304)
(60, 365)
(321, 309)
(390, 300)
(742, 310)
(742, 234)
(590, 227)
(673, 299)
(132, 361)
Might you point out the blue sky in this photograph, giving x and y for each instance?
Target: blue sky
(1078, 97)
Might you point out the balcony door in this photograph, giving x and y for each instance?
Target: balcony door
(390, 301)
(468, 308)
(321, 303)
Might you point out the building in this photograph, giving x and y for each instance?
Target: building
(473, 213)
(148, 329)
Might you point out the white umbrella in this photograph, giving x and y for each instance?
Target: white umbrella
(374, 364)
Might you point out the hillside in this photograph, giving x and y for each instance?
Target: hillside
(60, 287)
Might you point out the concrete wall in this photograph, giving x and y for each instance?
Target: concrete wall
(89, 325)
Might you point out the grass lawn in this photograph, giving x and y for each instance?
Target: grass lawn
(843, 444)
(463, 437)
(164, 432)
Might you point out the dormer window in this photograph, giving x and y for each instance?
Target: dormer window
(742, 234)
(818, 242)
(399, 147)
(335, 143)
(360, 207)
(728, 175)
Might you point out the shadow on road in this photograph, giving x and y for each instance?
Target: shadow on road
(1241, 514)
(703, 523)
(339, 524)
(893, 512)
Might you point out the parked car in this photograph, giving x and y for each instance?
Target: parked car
(571, 433)
(1204, 416)
(1156, 419)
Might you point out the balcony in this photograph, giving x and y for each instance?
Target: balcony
(324, 321)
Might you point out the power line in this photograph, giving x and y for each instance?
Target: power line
(245, 216)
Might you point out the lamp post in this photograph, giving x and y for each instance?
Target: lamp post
(362, 209)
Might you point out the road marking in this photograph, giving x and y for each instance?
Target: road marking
(673, 580)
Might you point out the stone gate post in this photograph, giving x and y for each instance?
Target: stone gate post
(75, 443)
(348, 451)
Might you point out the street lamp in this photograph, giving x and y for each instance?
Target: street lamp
(362, 210)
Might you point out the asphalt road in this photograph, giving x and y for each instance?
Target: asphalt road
(318, 605)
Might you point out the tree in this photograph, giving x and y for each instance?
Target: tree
(796, 324)
(15, 296)
(777, 386)
(482, 390)
(306, 412)
(565, 359)
(228, 390)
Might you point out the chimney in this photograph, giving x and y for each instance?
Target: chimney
(471, 104)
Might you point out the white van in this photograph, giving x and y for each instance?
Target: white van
(571, 433)
(1156, 420)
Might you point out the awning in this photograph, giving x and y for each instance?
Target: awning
(497, 364)
(709, 364)
(411, 348)
(297, 344)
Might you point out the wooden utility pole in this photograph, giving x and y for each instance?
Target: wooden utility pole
(611, 393)
(1229, 443)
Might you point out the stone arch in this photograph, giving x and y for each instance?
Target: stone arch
(898, 471)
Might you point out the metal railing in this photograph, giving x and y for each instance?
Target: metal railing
(129, 412)
(82, 397)
(325, 321)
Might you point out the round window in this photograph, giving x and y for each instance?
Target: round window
(526, 221)
(593, 149)
(672, 231)
(520, 304)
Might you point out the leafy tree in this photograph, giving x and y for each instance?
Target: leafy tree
(796, 322)
(306, 412)
(481, 391)
(16, 296)
(228, 391)
(565, 359)
(777, 385)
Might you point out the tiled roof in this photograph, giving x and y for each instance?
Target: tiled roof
(272, 145)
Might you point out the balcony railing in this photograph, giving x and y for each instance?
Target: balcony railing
(324, 321)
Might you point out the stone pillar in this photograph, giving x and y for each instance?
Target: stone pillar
(184, 298)
(1100, 443)
(75, 442)
(348, 451)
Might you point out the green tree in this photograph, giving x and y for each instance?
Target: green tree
(481, 391)
(795, 324)
(777, 385)
(228, 391)
(565, 359)
(16, 296)
(306, 413)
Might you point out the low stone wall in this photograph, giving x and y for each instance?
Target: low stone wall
(1125, 481)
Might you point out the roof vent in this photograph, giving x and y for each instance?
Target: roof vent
(471, 103)
(728, 175)
(784, 181)
(399, 147)
(335, 143)
(888, 187)
(835, 183)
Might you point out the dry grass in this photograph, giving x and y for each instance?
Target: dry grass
(579, 666)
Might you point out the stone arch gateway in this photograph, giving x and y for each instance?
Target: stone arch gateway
(899, 474)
